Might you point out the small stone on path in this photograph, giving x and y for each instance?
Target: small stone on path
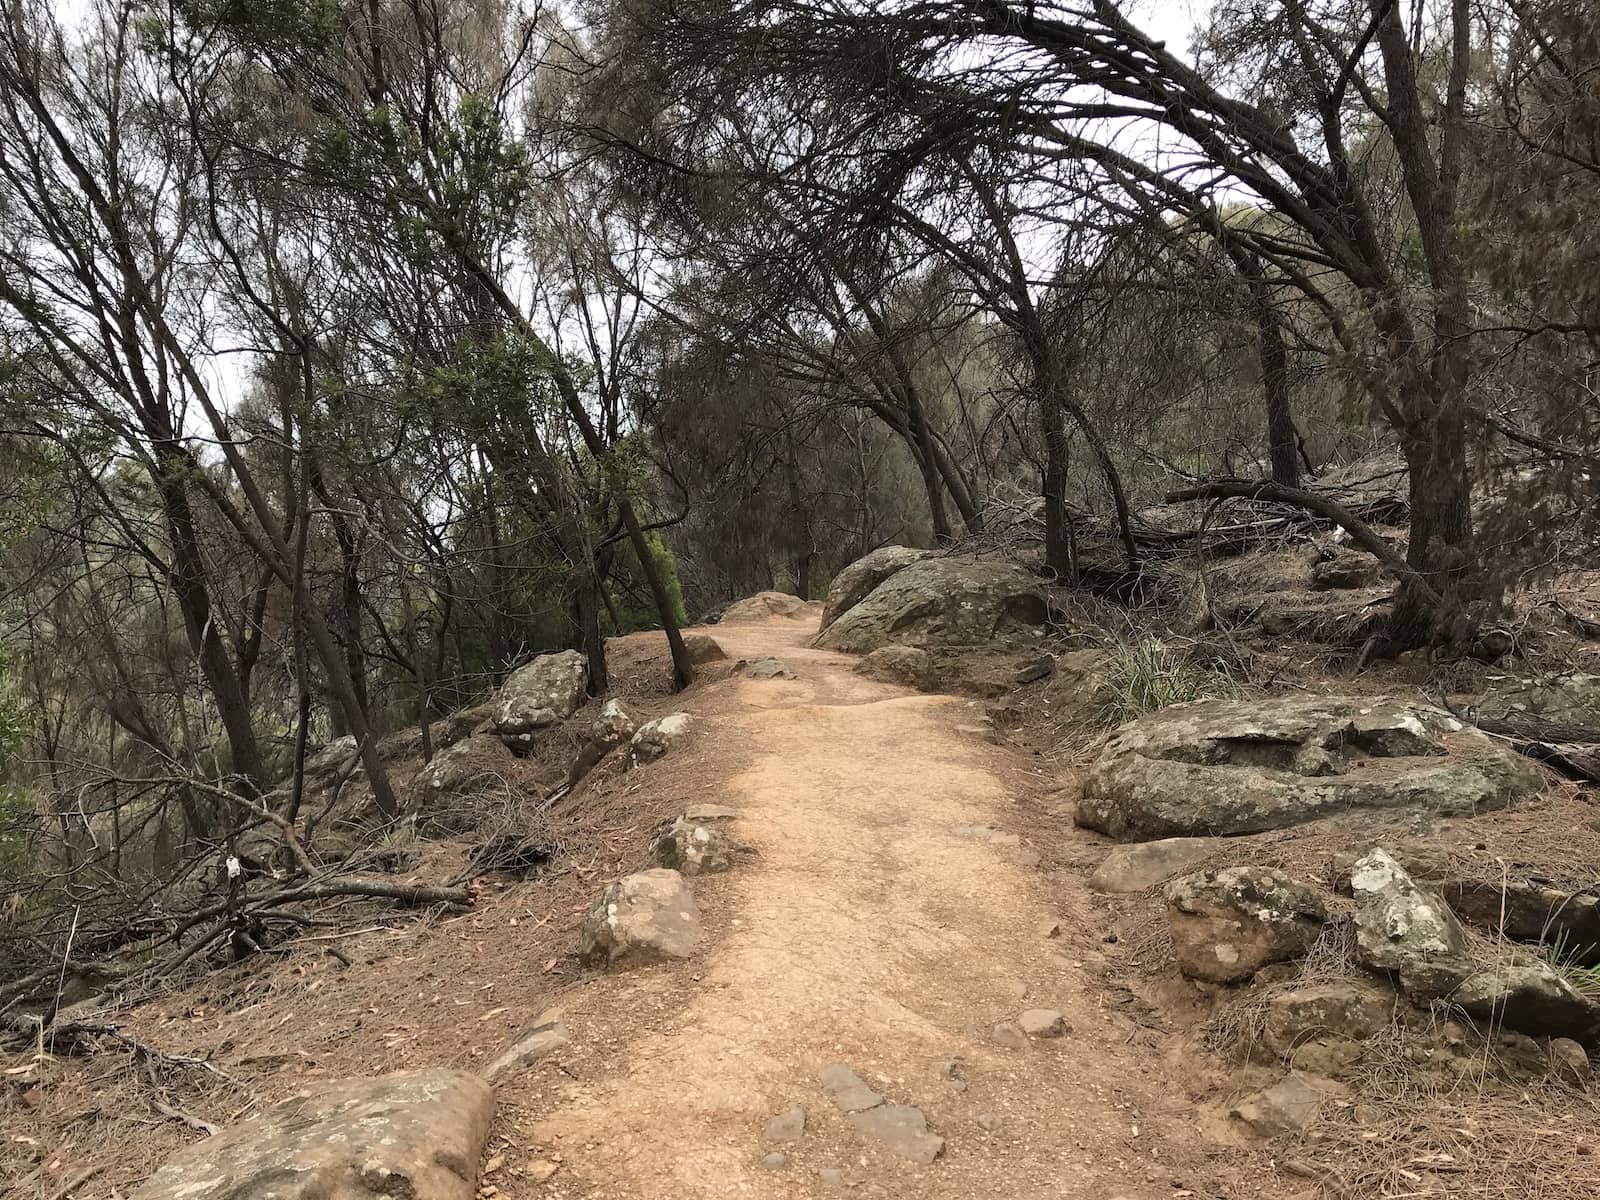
(775, 1161)
(1009, 1035)
(1042, 1023)
(787, 1126)
(848, 1090)
(541, 1169)
(902, 1128)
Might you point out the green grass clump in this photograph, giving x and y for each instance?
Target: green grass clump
(1572, 962)
(1147, 675)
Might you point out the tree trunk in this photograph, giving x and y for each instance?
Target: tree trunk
(1273, 352)
(191, 586)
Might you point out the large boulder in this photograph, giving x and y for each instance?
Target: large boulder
(1529, 996)
(1228, 924)
(466, 766)
(943, 602)
(644, 917)
(702, 648)
(763, 605)
(1242, 766)
(853, 584)
(413, 1134)
(541, 693)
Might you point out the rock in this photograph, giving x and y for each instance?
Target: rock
(1319, 1028)
(1404, 930)
(656, 737)
(544, 1039)
(1572, 698)
(767, 668)
(336, 757)
(540, 1170)
(1009, 1036)
(943, 602)
(1569, 1062)
(642, 917)
(541, 693)
(1286, 1107)
(614, 726)
(1482, 892)
(775, 1161)
(1346, 571)
(1228, 924)
(853, 584)
(464, 766)
(1040, 668)
(902, 1128)
(763, 605)
(830, 1177)
(1530, 997)
(703, 648)
(1218, 767)
(905, 665)
(701, 813)
(1141, 865)
(1042, 1023)
(412, 1134)
(693, 849)
(848, 1091)
(787, 1126)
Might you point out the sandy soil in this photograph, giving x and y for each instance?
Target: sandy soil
(888, 919)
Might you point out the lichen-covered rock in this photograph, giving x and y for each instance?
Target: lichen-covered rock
(1228, 924)
(643, 917)
(693, 848)
(1344, 570)
(463, 767)
(1218, 767)
(541, 693)
(907, 666)
(943, 602)
(1405, 930)
(853, 584)
(1532, 997)
(1572, 698)
(763, 605)
(1482, 892)
(655, 738)
(614, 726)
(413, 1134)
(1319, 1028)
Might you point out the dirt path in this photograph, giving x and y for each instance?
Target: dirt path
(889, 919)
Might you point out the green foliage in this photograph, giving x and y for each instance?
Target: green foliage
(630, 593)
(1147, 675)
(285, 26)
(1575, 964)
(17, 814)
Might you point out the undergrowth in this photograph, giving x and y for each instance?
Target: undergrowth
(1146, 675)
(1574, 964)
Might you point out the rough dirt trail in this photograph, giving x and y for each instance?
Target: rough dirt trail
(889, 918)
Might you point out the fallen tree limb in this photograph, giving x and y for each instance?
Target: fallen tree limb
(1360, 532)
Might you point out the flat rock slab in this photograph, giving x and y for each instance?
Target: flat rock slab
(902, 1128)
(787, 1126)
(544, 1039)
(1287, 1106)
(1142, 865)
(414, 1135)
(1223, 767)
(847, 1090)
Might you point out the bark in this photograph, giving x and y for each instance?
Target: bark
(1273, 352)
(191, 586)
